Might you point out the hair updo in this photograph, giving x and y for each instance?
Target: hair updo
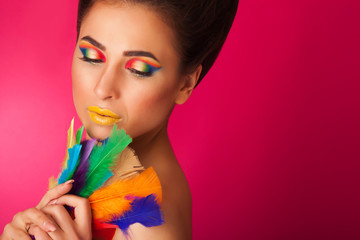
(201, 26)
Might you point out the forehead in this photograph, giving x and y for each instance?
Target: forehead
(123, 27)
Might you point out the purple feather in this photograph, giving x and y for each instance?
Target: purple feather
(83, 167)
(144, 210)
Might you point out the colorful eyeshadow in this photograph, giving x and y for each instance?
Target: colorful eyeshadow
(90, 51)
(142, 66)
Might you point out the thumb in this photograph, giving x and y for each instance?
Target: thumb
(54, 193)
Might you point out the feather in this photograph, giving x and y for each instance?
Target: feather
(144, 210)
(102, 158)
(79, 176)
(79, 134)
(120, 202)
(52, 182)
(70, 142)
(102, 231)
(114, 199)
(72, 163)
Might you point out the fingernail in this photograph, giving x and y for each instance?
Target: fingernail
(49, 226)
(69, 181)
(53, 202)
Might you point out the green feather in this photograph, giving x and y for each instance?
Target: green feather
(79, 134)
(102, 158)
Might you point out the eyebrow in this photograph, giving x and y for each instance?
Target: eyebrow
(94, 42)
(140, 54)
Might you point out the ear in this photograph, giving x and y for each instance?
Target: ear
(187, 85)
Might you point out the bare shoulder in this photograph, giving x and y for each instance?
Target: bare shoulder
(176, 206)
(177, 203)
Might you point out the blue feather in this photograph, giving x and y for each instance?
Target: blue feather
(72, 163)
(144, 210)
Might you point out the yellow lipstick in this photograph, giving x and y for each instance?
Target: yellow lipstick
(102, 116)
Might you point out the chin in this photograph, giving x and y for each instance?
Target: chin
(99, 132)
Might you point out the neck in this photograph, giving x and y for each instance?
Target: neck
(147, 146)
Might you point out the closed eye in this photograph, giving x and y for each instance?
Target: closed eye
(90, 60)
(142, 67)
(91, 53)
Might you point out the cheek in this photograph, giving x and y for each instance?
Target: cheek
(76, 84)
(81, 85)
(150, 109)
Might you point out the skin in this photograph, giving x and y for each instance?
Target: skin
(50, 220)
(144, 105)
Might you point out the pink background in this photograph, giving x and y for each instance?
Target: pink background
(269, 141)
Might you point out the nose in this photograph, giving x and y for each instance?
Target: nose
(107, 85)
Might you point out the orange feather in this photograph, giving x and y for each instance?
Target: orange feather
(110, 201)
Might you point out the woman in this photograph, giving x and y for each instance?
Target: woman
(133, 62)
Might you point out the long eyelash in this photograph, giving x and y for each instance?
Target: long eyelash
(141, 74)
(86, 59)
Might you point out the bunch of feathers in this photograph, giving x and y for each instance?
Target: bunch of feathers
(123, 202)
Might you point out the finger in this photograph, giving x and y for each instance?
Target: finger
(82, 209)
(62, 218)
(12, 232)
(55, 192)
(38, 233)
(33, 216)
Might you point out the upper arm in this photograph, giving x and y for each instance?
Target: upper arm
(176, 207)
(177, 226)
(139, 232)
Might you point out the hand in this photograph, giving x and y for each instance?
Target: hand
(55, 193)
(66, 227)
(17, 228)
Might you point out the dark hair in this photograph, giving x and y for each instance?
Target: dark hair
(201, 26)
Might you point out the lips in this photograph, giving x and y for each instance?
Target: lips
(103, 116)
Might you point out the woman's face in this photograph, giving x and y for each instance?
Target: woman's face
(125, 61)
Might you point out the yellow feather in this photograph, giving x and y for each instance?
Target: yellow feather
(70, 142)
(111, 200)
(52, 182)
